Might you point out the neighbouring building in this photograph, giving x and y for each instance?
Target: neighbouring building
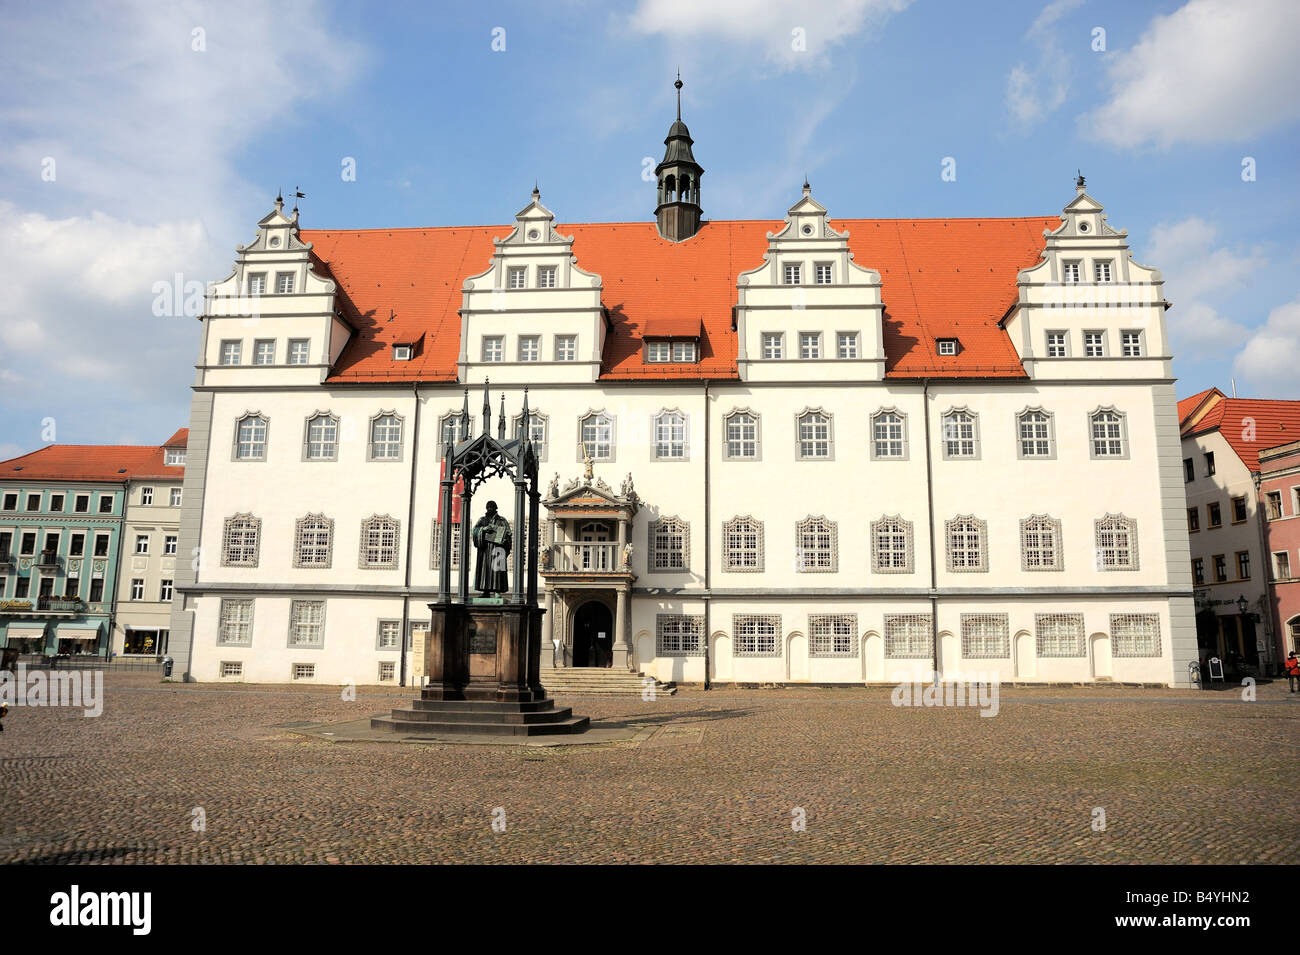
(88, 538)
(823, 450)
(1279, 498)
(1222, 442)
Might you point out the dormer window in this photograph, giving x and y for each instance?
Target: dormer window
(257, 283)
(546, 276)
(401, 353)
(1101, 271)
(174, 458)
(948, 346)
(679, 352)
(791, 274)
(518, 277)
(283, 283)
(823, 273)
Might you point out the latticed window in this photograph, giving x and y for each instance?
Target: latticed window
(1035, 429)
(598, 436)
(1040, 543)
(454, 428)
(814, 435)
(537, 428)
(322, 438)
(436, 560)
(669, 542)
(833, 635)
(742, 435)
(742, 545)
(250, 439)
(791, 274)
(386, 438)
(985, 636)
(239, 541)
(670, 435)
(546, 276)
(1117, 543)
(815, 546)
(967, 544)
(679, 635)
(959, 439)
(888, 435)
(379, 539)
(1059, 634)
(773, 343)
(908, 636)
(756, 635)
(1135, 634)
(313, 541)
(891, 546)
(236, 628)
(390, 632)
(1107, 434)
(307, 623)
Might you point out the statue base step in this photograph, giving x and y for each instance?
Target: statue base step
(431, 716)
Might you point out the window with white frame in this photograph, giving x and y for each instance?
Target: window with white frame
(306, 623)
(546, 276)
(742, 546)
(1035, 430)
(169, 545)
(823, 273)
(810, 345)
(250, 438)
(239, 541)
(530, 348)
(304, 671)
(388, 635)
(264, 351)
(298, 351)
(669, 544)
(1130, 343)
(1101, 270)
(679, 635)
(230, 351)
(985, 636)
(1281, 565)
(142, 543)
(790, 274)
(387, 671)
(1094, 344)
(517, 277)
(1058, 634)
(814, 427)
(816, 546)
(908, 636)
(174, 497)
(960, 435)
(773, 345)
(683, 352)
(946, 346)
(670, 436)
(435, 561)
(379, 539)
(1135, 634)
(756, 635)
(165, 590)
(146, 496)
(741, 433)
(538, 427)
(658, 351)
(284, 283)
(175, 457)
(494, 348)
(1040, 543)
(321, 442)
(847, 344)
(891, 546)
(566, 347)
(236, 626)
(1116, 543)
(256, 283)
(401, 353)
(1071, 271)
(137, 588)
(967, 539)
(598, 436)
(888, 435)
(453, 427)
(385, 437)
(313, 541)
(1107, 429)
(232, 668)
(1057, 345)
(832, 635)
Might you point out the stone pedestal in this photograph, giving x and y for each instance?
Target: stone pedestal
(483, 664)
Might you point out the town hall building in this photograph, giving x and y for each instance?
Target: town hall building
(809, 449)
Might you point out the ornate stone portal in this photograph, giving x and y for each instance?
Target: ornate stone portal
(482, 654)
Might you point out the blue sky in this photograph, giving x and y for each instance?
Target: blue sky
(135, 149)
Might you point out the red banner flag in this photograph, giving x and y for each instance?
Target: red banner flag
(456, 492)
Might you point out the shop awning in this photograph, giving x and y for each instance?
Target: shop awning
(78, 633)
(25, 632)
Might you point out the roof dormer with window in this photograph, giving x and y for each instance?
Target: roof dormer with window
(1086, 292)
(534, 315)
(809, 290)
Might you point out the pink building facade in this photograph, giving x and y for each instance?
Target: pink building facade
(1279, 503)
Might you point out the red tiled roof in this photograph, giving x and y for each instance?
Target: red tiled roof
(179, 440)
(90, 462)
(1189, 405)
(940, 277)
(1250, 425)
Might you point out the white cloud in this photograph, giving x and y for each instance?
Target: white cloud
(1212, 71)
(768, 25)
(1034, 92)
(1270, 359)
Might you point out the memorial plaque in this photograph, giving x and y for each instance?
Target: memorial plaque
(483, 640)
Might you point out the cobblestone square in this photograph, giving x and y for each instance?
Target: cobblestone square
(1182, 777)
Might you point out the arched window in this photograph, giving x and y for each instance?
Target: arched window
(815, 436)
(380, 536)
(742, 545)
(670, 436)
(742, 436)
(451, 428)
(1108, 434)
(321, 438)
(960, 434)
(385, 437)
(538, 427)
(313, 541)
(250, 438)
(597, 429)
(1040, 543)
(1116, 546)
(889, 435)
(816, 546)
(967, 544)
(239, 541)
(891, 545)
(669, 544)
(1034, 431)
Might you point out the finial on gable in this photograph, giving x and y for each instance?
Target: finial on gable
(1080, 182)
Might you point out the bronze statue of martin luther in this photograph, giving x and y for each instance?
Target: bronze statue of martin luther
(492, 539)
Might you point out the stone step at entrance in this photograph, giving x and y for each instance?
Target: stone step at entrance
(482, 717)
(599, 681)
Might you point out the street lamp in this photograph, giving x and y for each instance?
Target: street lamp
(1242, 604)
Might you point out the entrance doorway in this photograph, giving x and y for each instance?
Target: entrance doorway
(593, 635)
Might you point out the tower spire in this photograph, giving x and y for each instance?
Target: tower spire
(678, 84)
(677, 209)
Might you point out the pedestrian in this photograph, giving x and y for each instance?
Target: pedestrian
(4, 711)
(1292, 665)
